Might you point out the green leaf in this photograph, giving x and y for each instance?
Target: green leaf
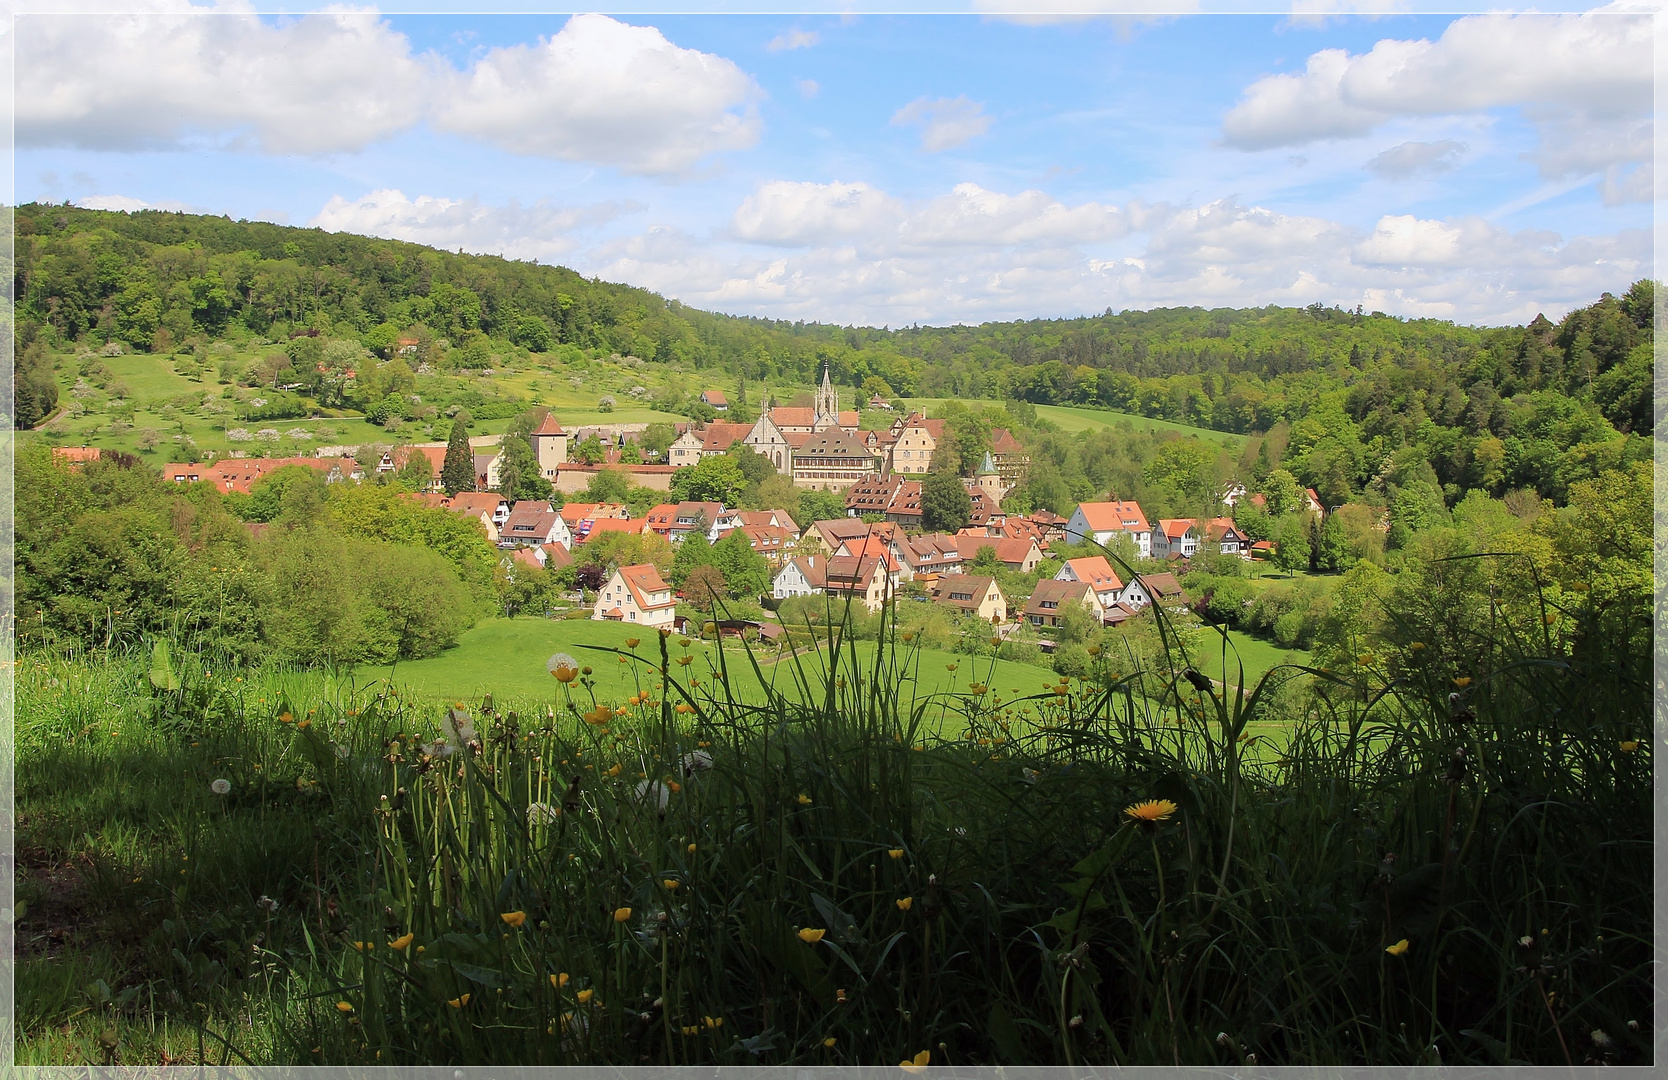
(162, 668)
(1005, 1034)
(477, 974)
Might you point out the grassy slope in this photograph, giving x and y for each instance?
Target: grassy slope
(507, 657)
(1074, 419)
(1257, 656)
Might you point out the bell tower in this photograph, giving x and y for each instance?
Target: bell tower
(827, 410)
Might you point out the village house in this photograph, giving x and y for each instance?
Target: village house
(830, 534)
(910, 443)
(1096, 572)
(1051, 598)
(636, 594)
(833, 459)
(603, 525)
(1175, 538)
(533, 522)
(675, 521)
(1146, 589)
(862, 577)
(974, 594)
(490, 509)
(771, 541)
(1223, 535)
(804, 576)
(927, 556)
(550, 447)
(716, 399)
(241, 474)
(1101, 521)
(734, 519)
(1015, 554)
(895, 498)
(1011, 459)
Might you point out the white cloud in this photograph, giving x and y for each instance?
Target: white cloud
(320, 84)
(1404, 240)
(1417, 159)
(792, 39)
(127, 204)
(607, 92)
(542, 230)
(599, 91)
(808, 88)
(794, 214)
(1587, 76)
(1049, 12)
(946, 123)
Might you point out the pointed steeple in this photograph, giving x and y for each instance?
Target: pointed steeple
(827, 412)
(988, 466)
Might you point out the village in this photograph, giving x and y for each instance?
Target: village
(880, 551)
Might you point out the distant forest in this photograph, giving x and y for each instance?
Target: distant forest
(1342, 395)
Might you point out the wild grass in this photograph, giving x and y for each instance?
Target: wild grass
(1446, 859)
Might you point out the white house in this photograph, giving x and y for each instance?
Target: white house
(1100, 521)
(1176, 536)
(636, 594)
(805, 576)
(1098, 574)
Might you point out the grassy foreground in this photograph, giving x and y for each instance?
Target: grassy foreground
(706, 874)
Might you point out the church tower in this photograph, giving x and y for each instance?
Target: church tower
(827, 404)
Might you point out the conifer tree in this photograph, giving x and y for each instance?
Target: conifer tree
(457, 471)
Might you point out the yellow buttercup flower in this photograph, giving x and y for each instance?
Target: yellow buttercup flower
(513, 918)
(615, 771)
(584, 996)
(828, 1042)
(671, 883)
(632, 643)
(1628, 746)
(714, 1022)
(559, 980)
(804, 800)
(622, 914)
(919, 1062)
(691, 849)
(1152, 811)
(810, 936)
(896, 853)
(344, 1006)
(1398, 948)
(906, 903)
(401, 942)
(458, 1002)
(1463, 681)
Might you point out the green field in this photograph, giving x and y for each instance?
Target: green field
(507, 658)
(1258, 656)
(1072, 419)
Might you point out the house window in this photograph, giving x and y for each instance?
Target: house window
(634, 616)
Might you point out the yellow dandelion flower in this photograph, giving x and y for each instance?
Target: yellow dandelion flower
(399, 943)
(622, 914)
(513, 918)
(810, 936)
(458, 1002)
(1398, 948)
(304, 725)
(1093, 650)
(1152, 811)
(906, 903)
(682, 708)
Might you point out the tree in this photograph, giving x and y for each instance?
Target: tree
(1291, 543)
(1283, 493)
(1184, 464)
(457, 472)
(712, 479)
(415, 473)
(609, 486)
(656, 438)
(589, 450)
(745, 570)
(704, 584)
(945, 504)
(819, 506)
(518, 471)
(753, 465)
(692, 551)
(777, 492)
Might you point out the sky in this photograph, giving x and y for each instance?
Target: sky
(884, 169)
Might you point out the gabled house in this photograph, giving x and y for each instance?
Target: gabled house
(833, 458)
(685, 450)
(1051, 598)
(676, 521)
(863, 577)
(894, 498)
(1145, 589)
(830, 534)
(1222, 534)
(533, 522)
(974, 594)
(769, 540)
(716, 399)
(801, 577)
(734, 519)
(636, 594)
(1175, 538)
(1097, 573)
(603, 525)
(928, 556)
(1100, 521)
(1015, 554)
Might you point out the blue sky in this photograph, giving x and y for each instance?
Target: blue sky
(888, 169)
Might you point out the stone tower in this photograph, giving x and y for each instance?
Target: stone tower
(990, 480)
(827, 412)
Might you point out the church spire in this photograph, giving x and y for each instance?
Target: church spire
(827, 413)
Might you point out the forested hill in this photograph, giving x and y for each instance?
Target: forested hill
(1372, 382)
